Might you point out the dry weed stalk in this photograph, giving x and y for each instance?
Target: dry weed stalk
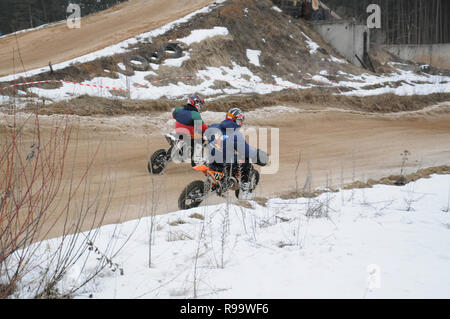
(41, 195)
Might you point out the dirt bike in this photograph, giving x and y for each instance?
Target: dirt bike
(218, 183)
(161, 158)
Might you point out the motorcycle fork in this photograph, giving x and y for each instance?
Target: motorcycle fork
(169, 153)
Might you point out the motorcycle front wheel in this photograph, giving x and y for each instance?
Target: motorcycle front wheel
(192, 196)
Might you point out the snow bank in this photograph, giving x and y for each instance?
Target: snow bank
(406, 83)
(242, 80)
(313, 46)
(197, 36)
(253, 56)
(336, 60)
(277, 9)
(382, 242)
(176, 62)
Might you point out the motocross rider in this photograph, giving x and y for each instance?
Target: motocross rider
(187, 117)
(228, 149)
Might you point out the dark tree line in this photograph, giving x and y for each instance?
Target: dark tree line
(16, 15)
(403, 21)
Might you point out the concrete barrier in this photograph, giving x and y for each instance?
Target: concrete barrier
(346, 37)
(436, 55)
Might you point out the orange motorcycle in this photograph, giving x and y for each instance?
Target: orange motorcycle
(218, 183)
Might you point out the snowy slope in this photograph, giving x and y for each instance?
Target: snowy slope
(383, 242)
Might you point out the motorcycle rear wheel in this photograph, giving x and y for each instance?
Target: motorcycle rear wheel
(157, 162)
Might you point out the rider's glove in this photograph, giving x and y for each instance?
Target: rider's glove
(205, 140)
(263, 158)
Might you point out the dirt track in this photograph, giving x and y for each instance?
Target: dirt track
(331, 141)
(59, 43)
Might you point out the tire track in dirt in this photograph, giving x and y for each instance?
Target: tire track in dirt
(333, 143)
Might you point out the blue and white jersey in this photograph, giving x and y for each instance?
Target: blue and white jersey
(227, 145)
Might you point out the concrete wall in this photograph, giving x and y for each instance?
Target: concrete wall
(436, 55)
(345, 36)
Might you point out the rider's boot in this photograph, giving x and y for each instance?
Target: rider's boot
(245, 192)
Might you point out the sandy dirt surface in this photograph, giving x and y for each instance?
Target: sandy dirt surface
(58, 43)
(339, 147)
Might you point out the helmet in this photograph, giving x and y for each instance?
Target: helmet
(236, 115)
(196, 102)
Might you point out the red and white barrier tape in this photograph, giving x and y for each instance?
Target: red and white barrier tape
(156, 81)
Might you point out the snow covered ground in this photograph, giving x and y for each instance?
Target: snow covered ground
(407, 83)
(242, 80)
(382, 242)
(198, 36)
(253, 56)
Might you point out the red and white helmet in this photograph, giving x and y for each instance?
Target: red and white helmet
(236, 115)
(196, 102)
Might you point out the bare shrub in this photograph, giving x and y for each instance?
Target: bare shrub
(41, 196)
(178, 235)
(317, 208)
(402, 179)
(30, 179)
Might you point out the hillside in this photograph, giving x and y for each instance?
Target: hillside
(21, 15)
(357, 188)
(57, 43)
(229, 48)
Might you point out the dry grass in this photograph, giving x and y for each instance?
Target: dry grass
(262, 201)
(177, 236)
(401, 179)
(244, 204)
(88, 106)
(197, 216)
(309, 194)
(177, 222)
(389, 180)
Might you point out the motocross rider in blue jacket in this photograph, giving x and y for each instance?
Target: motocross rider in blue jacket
(228, 149)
